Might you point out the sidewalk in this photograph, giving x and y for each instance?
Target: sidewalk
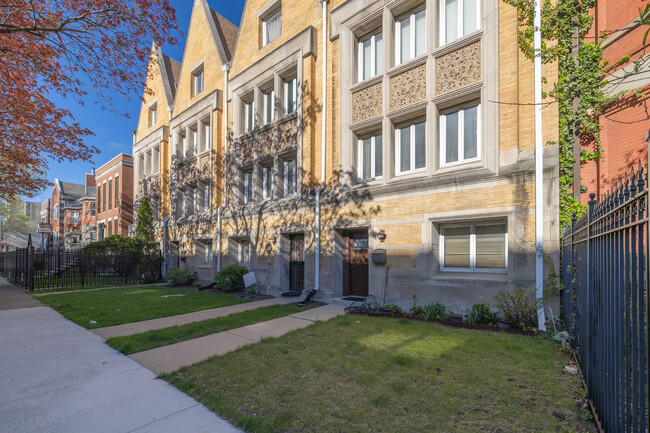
(169, 358)
(58, 377)
(182, 319)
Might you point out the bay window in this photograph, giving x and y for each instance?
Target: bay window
(410, 148)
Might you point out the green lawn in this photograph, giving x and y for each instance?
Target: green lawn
(133, 304)
(366, 374)
(163, 337)
(88, 287)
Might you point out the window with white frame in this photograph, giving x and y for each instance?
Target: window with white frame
(290, 96)
(205, 136)
(182, 145)
(369, 157)
(183, 204)
(267, 182)
(370, 56)
(197, 81)
(460, 135)
(289, 187)
(243, 251)
(474, 247)
(248, 187)
(75, 217)
(205, 189)
(410, 148)
(271, 28)
(56, 212)
(248, 116)
(458, 18)
(194, 142)
(208, 252)
(153, 115)
(410, 36)
(269, 109)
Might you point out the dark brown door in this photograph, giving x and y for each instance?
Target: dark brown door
(355, 263)
(297, 263)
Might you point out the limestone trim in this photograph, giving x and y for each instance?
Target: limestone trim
(408, 87)
(367, 103)
(459, 67)
(459, 43)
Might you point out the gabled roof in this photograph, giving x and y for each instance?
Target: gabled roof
(223, 32)
(170, 71)
(71, 190)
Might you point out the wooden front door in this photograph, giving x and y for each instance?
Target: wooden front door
(355, 263)
(297, 263)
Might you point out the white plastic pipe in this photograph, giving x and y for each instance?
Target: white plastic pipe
(539, 171)
(323, 143)
(225, 69)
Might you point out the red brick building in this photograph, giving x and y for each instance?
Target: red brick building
(63, 223)
(114, 199)
(625, 124)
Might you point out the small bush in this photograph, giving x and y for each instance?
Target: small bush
(181, 277)
(392, 309)
(518, 306)
(433, 310)
(149, 267)
(231, 278)
(482, 315)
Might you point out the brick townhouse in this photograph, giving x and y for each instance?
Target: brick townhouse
(407, 173)
(114, 198)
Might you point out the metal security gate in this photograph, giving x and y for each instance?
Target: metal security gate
(605, 302)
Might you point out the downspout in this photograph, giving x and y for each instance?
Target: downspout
(165, 221)
(319, 190)
(225, 69)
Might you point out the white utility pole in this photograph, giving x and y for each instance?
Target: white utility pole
(539, 171)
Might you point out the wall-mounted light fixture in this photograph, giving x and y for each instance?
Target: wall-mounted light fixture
(381, 235)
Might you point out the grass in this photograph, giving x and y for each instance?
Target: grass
(73, 282)
(133, 304)
(87, 287)
(368, 374)
(163, 337)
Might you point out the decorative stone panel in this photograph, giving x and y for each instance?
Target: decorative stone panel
(287, 133)
(246, 147)
(181, 174)
(265, 141)
(458, 68)
(140, 192)
(205, 167)
(192, 172)
(367, 103)
(408, 87)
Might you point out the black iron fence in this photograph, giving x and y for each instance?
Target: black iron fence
(605, 303)
(41, 270)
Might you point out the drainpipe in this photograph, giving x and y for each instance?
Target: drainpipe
(225, 69)
(319, 190)
(165, 221)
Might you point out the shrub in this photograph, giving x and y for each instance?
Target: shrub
(518, 306)
(392, 309)
(181, 276)
(482, 315)
(149, 267)
(231, 278)
(433, 310)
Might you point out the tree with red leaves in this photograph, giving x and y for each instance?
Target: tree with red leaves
(69, 48)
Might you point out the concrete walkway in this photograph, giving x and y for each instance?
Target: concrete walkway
(182, 319)
(169, 358)
(57, 377)
(12, 297)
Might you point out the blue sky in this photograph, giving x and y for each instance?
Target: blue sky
(112, 131)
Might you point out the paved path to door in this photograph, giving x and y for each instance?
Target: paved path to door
(182, 319)
(56, 377)
(169, 358)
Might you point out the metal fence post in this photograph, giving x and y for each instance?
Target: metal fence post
(82, 268)
(126, 264)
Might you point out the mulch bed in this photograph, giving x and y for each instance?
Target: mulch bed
(448, 323)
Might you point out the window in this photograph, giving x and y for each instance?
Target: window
(117, 229)
(183, 204)
(184, 149)
(117, 192)
(104, 202)
(267, 183)
(153, 115)
(369, 158)
(472, 247)
(92, 236)
(208, 251)
(56, 212)
(290, 96)
(75, 218)
(371, 56)
(92, 209)
(460, 135)
(269, 110)
(206, 135)
(410, 148)
(110, 194)
(244, 251)
(289, 177)
(206, 197)
(410, 36)
(193, 148)
(197, 81)
(248, 187)
(458, 18)
(248, 116)
(271, 28)
(110, 228)
(195, 199)
(99, 197)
